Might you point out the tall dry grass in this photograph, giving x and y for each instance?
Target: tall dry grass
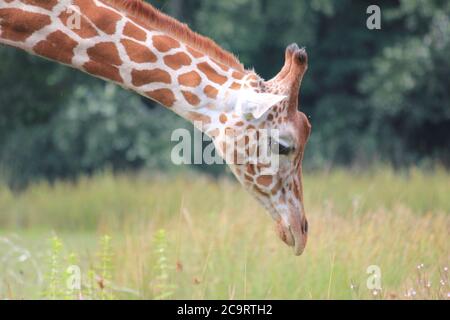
(191, 237)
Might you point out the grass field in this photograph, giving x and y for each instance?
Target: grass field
(189, 237)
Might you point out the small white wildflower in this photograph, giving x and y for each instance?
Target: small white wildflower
(375, 292)
(442, 282)
(448, 294)
(428, 285)
(445, 269)
(411, 293)
(24, 257)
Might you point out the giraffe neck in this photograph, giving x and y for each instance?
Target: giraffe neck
(99, 38)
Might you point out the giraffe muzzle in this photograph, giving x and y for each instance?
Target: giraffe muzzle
(294, 232)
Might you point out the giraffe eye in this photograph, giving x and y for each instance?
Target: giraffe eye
(284, 150)
(280, 148)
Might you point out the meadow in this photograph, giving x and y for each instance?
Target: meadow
(191, 237)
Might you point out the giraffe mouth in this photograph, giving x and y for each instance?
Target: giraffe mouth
(293, 235)
(299, 242)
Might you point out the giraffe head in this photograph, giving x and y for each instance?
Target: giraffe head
(269, 111)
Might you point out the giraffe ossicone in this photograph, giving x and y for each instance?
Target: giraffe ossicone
(132, 44)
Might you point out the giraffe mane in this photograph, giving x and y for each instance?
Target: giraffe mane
(149, 17)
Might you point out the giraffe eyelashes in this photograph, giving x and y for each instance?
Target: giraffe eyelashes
(280, 148)
(285, 150)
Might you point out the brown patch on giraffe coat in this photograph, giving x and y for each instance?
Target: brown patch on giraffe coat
(58, 46)
(195, 116)
(235, 86)
(17, 25)
(212, 74)
(85, 31)
(190, 79)
(132, 31)
(103, 18)
(238, 157)
(238, 75)
(194, 53)
(222, 66)
(260, 191)
(103, 70)
(191, 98)
(239, 124)
(46, 4)
(214, 133)
(137, 52)
(248, 178)
(265, 181)
(223, 147)
(142, 77)
(163, 96)
(252, 149)
(296, 190)
(251, 169)
(165, 43)
(277, 187)
(230, 132)
(223, 118)
(106, 53)
(176, 61)
(211, 92)
(149, 17)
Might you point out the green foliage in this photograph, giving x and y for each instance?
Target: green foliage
(162, 288)
(409, 87)
(105, 268)
(54, 276)
(64, 272)
(72, 290)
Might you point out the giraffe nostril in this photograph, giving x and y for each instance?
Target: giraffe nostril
(302, 56)
(305, 227)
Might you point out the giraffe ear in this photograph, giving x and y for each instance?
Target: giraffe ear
(253, 105)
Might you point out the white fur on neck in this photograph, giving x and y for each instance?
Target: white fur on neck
(251, 104)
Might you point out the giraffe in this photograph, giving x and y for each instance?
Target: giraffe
(132, 44)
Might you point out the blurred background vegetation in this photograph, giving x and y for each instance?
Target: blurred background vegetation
(371, 96)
